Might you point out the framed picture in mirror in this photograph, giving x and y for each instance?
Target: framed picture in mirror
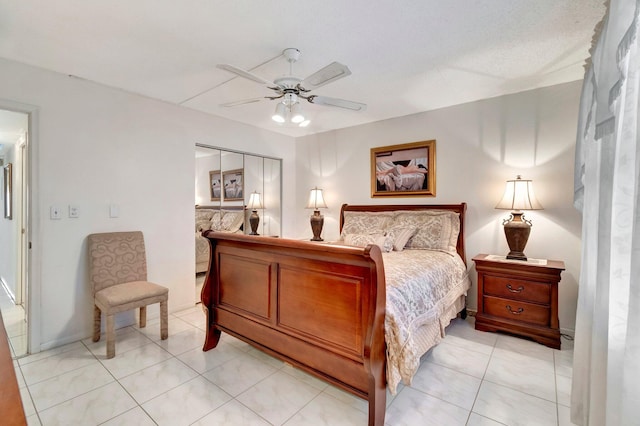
(233, 185)
(215, 185)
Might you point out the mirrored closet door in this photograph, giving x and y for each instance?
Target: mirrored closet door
(244, 189)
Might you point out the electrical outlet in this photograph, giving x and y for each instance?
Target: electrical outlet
(55, 213)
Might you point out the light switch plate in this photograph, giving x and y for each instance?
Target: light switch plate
(74, 211)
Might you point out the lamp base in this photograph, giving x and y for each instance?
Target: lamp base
(514, 255)
(317, 221)
(254, 220)
(517, 230)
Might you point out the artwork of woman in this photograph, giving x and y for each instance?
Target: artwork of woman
(397, 177)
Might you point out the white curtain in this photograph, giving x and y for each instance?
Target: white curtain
(606, 369)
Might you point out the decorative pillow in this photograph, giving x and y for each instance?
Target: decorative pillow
(203, 219)
(400, 235)
(216, 221)
(437, 229)
(362, 240)
(366, 222)
(232, 220)
(203, 214)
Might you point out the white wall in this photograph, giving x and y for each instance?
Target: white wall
(98, 146)
(479, 146)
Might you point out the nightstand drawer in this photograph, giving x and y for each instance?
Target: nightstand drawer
(517, 289)
(514, 310)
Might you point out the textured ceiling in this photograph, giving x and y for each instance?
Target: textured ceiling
(405, 57)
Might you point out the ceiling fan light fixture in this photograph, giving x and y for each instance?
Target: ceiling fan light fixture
(280, 113)
(296, 113)
(289, 89)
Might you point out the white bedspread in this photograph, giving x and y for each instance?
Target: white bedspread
(421, 286)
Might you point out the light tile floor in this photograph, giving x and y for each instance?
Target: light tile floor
(471, 378)
(14, 322)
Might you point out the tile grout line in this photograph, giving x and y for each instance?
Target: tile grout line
(493, 348)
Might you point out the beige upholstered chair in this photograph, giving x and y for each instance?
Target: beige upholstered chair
(118, 274)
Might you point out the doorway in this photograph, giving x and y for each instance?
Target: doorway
(14, 225)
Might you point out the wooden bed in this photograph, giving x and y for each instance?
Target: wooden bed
(319, 307)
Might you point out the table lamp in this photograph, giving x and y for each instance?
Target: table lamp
(254, 204)
(316, 201)
(518, 196)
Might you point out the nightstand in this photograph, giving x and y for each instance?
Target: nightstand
(519, 297)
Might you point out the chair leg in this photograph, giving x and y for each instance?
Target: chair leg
(164, 320)
(143, 316)
(96, 323)
(111, 337)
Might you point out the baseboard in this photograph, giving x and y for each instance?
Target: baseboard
(7, 290)
(61, 342)
(125, 319)
(568, 331)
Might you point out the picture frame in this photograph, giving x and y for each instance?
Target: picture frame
(215, 185)
(233, 185)
(8, 191)
(405, 170)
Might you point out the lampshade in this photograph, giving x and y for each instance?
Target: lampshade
(296, 113)
(255, 201)
(280, 113)
(316, 200)
(290, 109)
(519, 195)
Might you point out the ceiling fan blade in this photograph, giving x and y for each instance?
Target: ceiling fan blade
(326, 75)
(243, 73)
(242, 102)
(340, 103)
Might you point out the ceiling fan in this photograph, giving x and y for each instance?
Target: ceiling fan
(292, 89)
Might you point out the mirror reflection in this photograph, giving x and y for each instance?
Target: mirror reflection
(237, 191)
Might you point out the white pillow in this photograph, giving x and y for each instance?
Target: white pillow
(232, 220)
(365, 222)
(400, 235)
(216, 221)
(362, 240)
(437, 229)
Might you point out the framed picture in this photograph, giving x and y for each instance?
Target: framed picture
(404, 170)
(8, 201)
(233, 185)
(215, 184)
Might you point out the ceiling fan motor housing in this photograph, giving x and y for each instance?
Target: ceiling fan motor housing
(292, 54)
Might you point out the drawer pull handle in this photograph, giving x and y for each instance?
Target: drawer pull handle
(517, 290)
(518, 312)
